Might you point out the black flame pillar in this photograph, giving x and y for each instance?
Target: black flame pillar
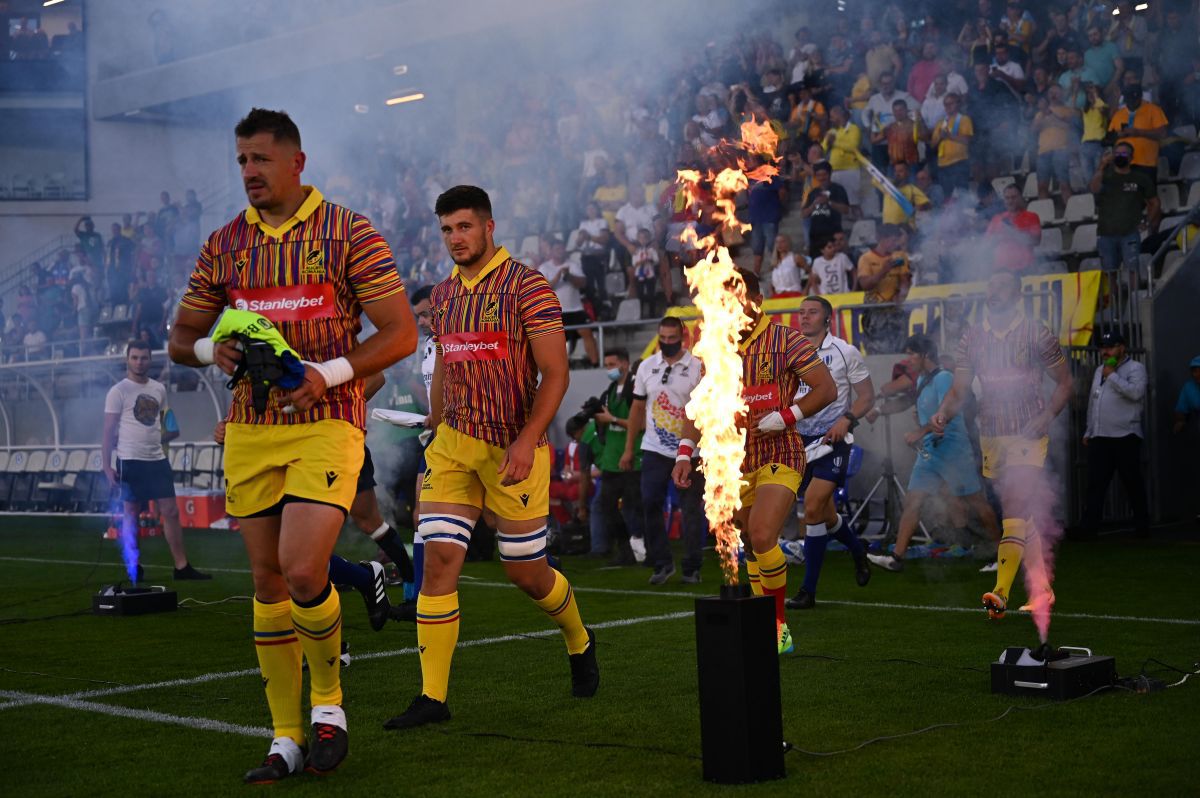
(741, 713)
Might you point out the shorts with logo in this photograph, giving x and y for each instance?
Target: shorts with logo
(1012, 450)
(832, 467)
(145, 480)
(770, 474)
(366, 476)
(460, 469)
(317, 462)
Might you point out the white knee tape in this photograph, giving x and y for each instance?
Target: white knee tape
(523, 547)
(440, 528)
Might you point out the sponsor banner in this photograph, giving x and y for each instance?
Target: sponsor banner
(1066, 303)
(286, 303)
(762, 397)
(490, 345)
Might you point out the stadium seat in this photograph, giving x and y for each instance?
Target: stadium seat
(1080, 208)
(1044, 208)
(1052, 242)
(204, 468)
(1172, 259)
(614, 283)
(100, 493)
(79, 480)
(1089, 264)
(1168, 197)
(1054, 267)
(51, 489)
(1002, 182)
(17, 460)
(1083, 240)
(863, 233)
(1189, 169)
(530, 245)
(1186, 132)
(1031, 186)
(25, 482)
(1193, 196)
(629, 310)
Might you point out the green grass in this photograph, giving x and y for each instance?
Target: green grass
(1113, 743)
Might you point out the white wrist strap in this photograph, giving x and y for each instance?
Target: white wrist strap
(334, 372)
(203, 350)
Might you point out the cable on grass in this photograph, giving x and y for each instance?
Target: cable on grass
(649, 749)
(11, 621)
(198, 602)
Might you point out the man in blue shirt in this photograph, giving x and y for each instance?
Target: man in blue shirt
(947, 458)
(766, 203)
(1189, 398)
(1114, 433)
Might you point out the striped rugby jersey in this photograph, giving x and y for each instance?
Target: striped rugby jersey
(1010, 364)
(483, 327)
(774, 361)
(310, 276)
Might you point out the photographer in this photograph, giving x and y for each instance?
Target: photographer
(620, 503)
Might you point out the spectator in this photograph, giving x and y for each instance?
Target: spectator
(824, 207)
(1122, 197)
(148, 307)
(620, 502)
(1188, 402)
(84, 304)
(1128, 32)
(832, 272)
(787, 277)
(89, 240)
(808, 119)
(647, 270)
(880, 60)
(566, 278)
(1059, 36)
(26, 303)
(1114, 433)
(766, 204)
(885, 276)
(594, 240)
(1103, 60)
(1075, 79)
(881, 112)
(1054, 124)
(893, 213)
(610, 195)
(924, 181)
(952, 137)
(60, 270)
(1095, 123)
(995, 109)
(924, 71)
(842, 143)
(1013, 235)
(1176, 44)
(933, 109)
(662, 388)
(902, 136)
(1006, 70)
(1141, 125)
(1018, 25)
(35, 342)
(772, 95)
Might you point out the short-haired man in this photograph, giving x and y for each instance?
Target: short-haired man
(134, 410)
(951, 137)
(884, 275)
(824, 207)
(1010, 354)
(498, 327)
(1013, 235)
(1123, 195)
(835, 420)
(784, 384)
(620, 500)
(941, 460)
(311, 268)
(1114, 433)
(661, 390)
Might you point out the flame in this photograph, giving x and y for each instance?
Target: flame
(759, 138)
(716, 404)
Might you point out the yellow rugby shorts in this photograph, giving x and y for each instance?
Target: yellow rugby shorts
(770, 474)
(460, 469)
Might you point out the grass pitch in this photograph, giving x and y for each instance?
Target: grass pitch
(907, 652)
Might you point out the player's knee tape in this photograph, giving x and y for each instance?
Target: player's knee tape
(521, 547)
(443, 528)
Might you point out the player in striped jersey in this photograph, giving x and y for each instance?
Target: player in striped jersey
(311, 268)
(775, 361)
(498, 325)
(1010, 354)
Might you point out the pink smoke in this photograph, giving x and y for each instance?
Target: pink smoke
(1029, 493)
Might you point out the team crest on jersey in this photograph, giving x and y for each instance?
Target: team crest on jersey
(240, 263)
(314, 264)
(491, 310)
(764, 368)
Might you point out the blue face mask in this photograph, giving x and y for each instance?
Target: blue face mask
(614, 375)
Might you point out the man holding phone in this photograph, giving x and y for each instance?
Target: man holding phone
(885, 276)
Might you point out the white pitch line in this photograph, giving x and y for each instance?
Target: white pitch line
(485, 641)
(206, 724)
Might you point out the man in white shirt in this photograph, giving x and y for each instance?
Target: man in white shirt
(831, 425)
(879, 107)
(1006, 70)
(566, 277)
(133, 424)
(634, 215)
(661, 390)
(933, 110)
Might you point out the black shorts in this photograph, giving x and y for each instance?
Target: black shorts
(831, 468)
(574, 318)
(366, 477)
(145, 480)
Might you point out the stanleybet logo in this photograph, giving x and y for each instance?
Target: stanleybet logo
(241, 304)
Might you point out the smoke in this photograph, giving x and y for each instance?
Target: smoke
(1035, 495)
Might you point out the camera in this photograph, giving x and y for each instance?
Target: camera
(590, 408)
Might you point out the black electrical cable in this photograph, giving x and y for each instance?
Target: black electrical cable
(39, 618)
(87, 581)
(649, 749)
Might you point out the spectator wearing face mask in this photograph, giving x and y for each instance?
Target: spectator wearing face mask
(620, 503)
(1122, 196)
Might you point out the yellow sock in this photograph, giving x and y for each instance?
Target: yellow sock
(437, 635)
(560, 605)
(1008, 555)
(772, 570)
(752, 572)
(319, 627)
(279, 661)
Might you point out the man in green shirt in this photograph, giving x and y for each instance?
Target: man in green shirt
(620, 501)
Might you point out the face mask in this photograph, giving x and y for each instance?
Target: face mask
(1121, 161)
(670, 350)
(614, 375)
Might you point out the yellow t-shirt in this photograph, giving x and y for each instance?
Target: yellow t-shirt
(951, 152)
(846, 141)
(605, 194)
(894, 214)
(808, 112)
(860, 94)
(1147, 117)
(872, 263)
(1095, 122)
(1186, 239)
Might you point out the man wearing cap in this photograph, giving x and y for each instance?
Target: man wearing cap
(1113, 437)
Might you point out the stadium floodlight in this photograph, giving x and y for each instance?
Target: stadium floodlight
(406, 98)
(400, 69)
(361, 108)
(48, 3)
